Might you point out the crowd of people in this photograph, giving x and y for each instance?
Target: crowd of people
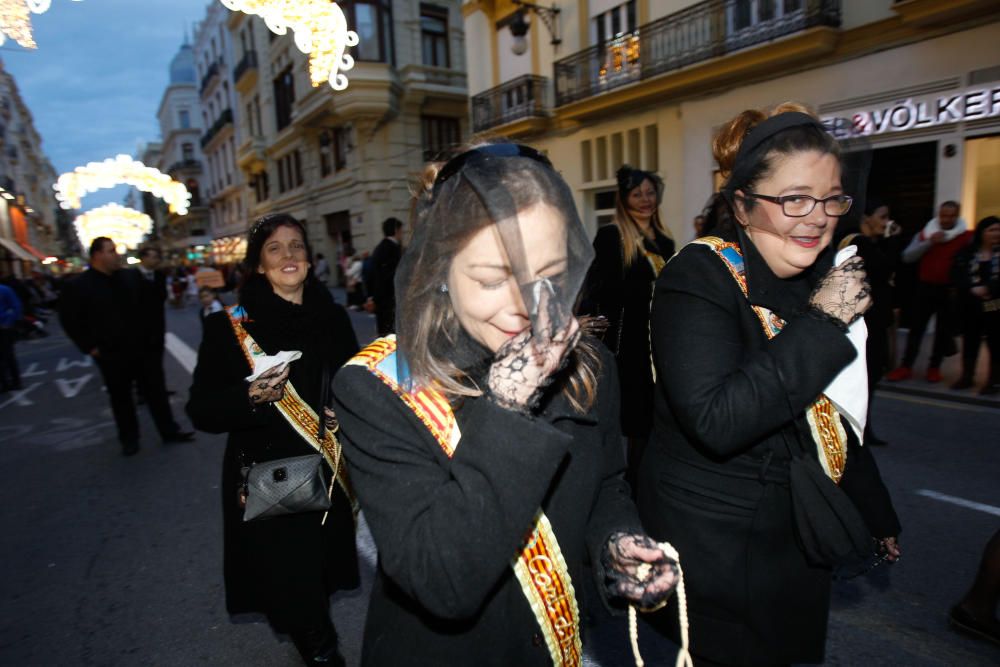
(545, 418)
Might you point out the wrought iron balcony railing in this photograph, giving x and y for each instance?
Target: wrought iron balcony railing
(225, 118)
(246, 63)
(210, 73)
(524, 97)
(706, 30)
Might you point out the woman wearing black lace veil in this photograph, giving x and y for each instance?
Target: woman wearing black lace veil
(483, 443)
(750, 471)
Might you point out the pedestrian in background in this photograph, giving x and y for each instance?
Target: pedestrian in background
(749, 329)
(210, 303)
(877, 241)
(150, 287)
(10, 314)
(322, 269)
(977, 277)
(485, 446)
(629, 255)
(100, 313)
(285, 566)
(385, 259)
(934, 247)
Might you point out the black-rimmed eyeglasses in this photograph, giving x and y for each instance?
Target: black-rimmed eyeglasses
(799, 206)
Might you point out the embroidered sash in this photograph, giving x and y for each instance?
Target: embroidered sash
(299, 415)
(825, 425)
(539, 564)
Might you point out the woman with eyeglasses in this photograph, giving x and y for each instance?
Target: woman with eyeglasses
(482, 439)
(749, 329)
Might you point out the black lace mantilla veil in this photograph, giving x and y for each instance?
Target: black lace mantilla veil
(488, 186)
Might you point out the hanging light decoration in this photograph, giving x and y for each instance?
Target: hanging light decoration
(15, 21)
(74, 185)
(125, 226)
(319, 28)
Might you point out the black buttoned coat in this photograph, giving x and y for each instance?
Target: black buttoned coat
(730, 411)
(447, 528)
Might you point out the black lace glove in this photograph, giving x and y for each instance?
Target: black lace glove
(637, 570)
(270, 386)
(524, 367)
(844, 292)
(330, 420)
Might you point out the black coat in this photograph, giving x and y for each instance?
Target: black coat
(730, 410)
(446, 529)
(150, 295)
(622, 295)
(385, 259)
(99, 311)
(287, 566)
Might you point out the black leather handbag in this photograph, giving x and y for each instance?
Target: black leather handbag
(286, 486)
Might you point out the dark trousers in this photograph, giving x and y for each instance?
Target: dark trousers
(10, 374)
(930, 300)
(146, 370)
(976, 324)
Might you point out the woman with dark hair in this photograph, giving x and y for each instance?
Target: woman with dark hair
(483, 440)
(977, 277)
(286, 566)
(629, 254)
(750, 470)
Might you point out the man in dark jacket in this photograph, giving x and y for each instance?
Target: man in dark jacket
(150, 286)
(10, 313)
(101, 314)
(385, 259)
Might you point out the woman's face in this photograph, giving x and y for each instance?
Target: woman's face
(483, 290)
(878, 220)
(991, 236)
(641, 201)
(283, 259)
(791, 245)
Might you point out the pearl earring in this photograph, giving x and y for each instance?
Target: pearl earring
(443, 288)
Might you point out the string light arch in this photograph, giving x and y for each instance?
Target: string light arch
(126, 226)
(72, 186)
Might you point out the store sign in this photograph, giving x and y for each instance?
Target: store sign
(916, 113)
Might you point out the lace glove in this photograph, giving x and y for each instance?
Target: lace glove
(637, 570)
(330, 420)
(888, 549)
(844, 292)
(270, 386)
(524, 367)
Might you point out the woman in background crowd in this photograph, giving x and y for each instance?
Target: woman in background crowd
(977, 277)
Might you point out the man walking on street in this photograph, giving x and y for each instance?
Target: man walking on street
(100, 312)
(385, 259)
(150, 287)
(934, 248)
(10, 313)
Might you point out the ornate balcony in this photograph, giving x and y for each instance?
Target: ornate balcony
(691, 36)
(245, 72)
(225, 118)
(520, 99)
(189, 166)
(210, 76)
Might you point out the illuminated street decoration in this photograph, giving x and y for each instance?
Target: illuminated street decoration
(319, 28)
(121, 170)
(15, 20)
(125, 226)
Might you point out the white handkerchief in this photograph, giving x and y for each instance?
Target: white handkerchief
(265, 363)
(849, 390)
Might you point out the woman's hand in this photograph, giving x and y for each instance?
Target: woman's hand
(524, 367)
(844, 292)
(330, 420)
(888, 547)
(270, 386)
(637, 570)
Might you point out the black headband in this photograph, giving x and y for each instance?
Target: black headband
(455, 164)
(770, 127)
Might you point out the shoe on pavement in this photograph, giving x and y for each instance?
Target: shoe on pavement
(933, 374)
(962, 620)
(963, 382)
(899, 373)
(178, 437)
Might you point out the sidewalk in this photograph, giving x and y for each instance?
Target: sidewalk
(951, 368)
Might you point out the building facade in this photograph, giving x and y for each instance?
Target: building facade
(180, 155)
(29, 227)
(224, 185)
(648, 82)
(343, 161)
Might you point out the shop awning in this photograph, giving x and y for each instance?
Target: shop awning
(31, 250)
(17, 250)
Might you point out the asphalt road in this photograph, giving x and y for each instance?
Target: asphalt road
(115, 561)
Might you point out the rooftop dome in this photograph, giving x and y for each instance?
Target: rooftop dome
(182, 66)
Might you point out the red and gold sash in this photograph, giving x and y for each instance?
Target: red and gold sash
(539, 564)
(299, 415)
(824, 420)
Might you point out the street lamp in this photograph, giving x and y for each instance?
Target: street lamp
(519, 27)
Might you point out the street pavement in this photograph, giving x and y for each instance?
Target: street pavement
(117, 561)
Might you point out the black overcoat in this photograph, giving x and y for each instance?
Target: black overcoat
(447, 528)
(622, 295)
(284, 567)
(730, 408)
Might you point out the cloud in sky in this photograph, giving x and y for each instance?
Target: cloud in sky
(96, 80)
